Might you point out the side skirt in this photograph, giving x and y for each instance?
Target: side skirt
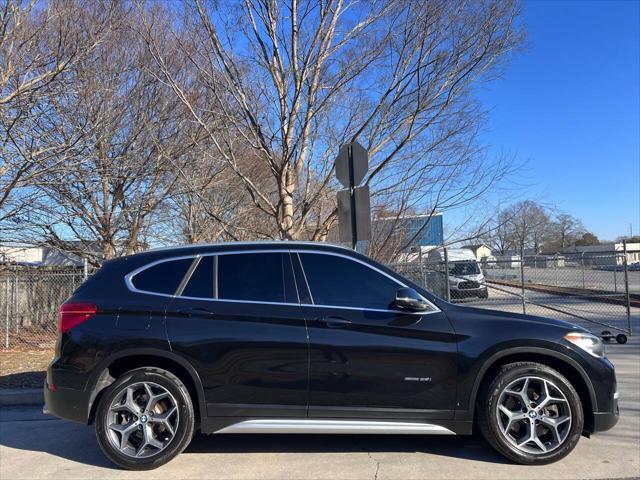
(330, 426)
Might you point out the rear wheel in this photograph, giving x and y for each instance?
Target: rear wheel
(530, 413)
(144, 419)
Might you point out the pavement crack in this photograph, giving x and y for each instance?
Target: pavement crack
(377, 462)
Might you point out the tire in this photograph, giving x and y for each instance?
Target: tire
(114, 413)
(550, 444)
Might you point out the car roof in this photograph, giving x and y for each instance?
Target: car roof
(201, 248)
(258, 243)
(275, 244)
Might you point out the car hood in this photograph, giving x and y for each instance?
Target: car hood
(483, 313)
(476, 277)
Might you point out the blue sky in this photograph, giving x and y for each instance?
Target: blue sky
(569, 106)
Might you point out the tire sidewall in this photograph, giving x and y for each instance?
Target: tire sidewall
(502, 444)
(184, 431)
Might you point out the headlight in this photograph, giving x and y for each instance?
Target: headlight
(588, 342)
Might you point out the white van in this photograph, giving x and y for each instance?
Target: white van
(465, 275)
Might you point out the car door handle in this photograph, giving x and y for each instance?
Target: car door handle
(196, 312)
(334, 322)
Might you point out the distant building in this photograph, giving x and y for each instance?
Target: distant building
(545, 261)
(481, 251)
(606, 253)
(506, 261)
(415, 230)
(21, 254)
(39, 256)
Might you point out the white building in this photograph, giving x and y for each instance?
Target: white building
(22, 255)
(38, 256)
(481, 251)
(607, 253)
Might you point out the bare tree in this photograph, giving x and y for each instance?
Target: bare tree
(39, 44)
(132, 144)
(291, 81)
(566, 230)
(521, 226)
(221, 120)
(500, 238)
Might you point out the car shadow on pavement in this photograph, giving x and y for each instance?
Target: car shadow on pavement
(77, 443)
(23, 380)
(66, 440)
(462, 447)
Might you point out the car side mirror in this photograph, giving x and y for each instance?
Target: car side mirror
(410, 300)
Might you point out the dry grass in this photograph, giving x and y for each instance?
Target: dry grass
(19, 369)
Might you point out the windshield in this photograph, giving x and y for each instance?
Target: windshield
(464, 268)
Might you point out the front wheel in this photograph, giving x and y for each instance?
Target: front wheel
(144, 419)
(530, 413)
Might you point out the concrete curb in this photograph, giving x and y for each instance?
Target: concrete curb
(21, 396)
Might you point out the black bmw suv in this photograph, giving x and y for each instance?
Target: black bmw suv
(290, 337)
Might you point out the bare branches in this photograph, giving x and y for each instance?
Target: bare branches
(39, 46)
(528, 225)
(299, 78)
(142, 122)
(116, 140)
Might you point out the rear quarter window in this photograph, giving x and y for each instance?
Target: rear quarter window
(163, 277)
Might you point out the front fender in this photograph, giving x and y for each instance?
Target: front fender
(468, 389)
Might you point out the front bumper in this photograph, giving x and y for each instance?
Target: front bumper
(468, 292)
(603, 421)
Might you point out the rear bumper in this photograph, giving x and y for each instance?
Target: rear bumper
(64, 394)
(66, 403)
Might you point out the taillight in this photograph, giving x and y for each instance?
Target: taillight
(75, 313)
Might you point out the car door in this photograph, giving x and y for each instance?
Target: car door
(143, 309)
(239, 323)
(367, 358)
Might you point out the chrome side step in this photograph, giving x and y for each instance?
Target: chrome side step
(334, 426)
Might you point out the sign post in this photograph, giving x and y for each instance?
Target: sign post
(354, 207)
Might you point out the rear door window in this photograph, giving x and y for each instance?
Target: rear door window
(200, 284)
(163, 277)
(258, 277)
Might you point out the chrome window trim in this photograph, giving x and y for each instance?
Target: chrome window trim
(304, 277)
(129, 276)
(129, 283)
(187, 276)
(348, 257)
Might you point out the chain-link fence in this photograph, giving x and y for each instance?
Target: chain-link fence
(598, 290)
(29, 302)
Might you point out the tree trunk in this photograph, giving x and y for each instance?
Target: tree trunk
(287, 187)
